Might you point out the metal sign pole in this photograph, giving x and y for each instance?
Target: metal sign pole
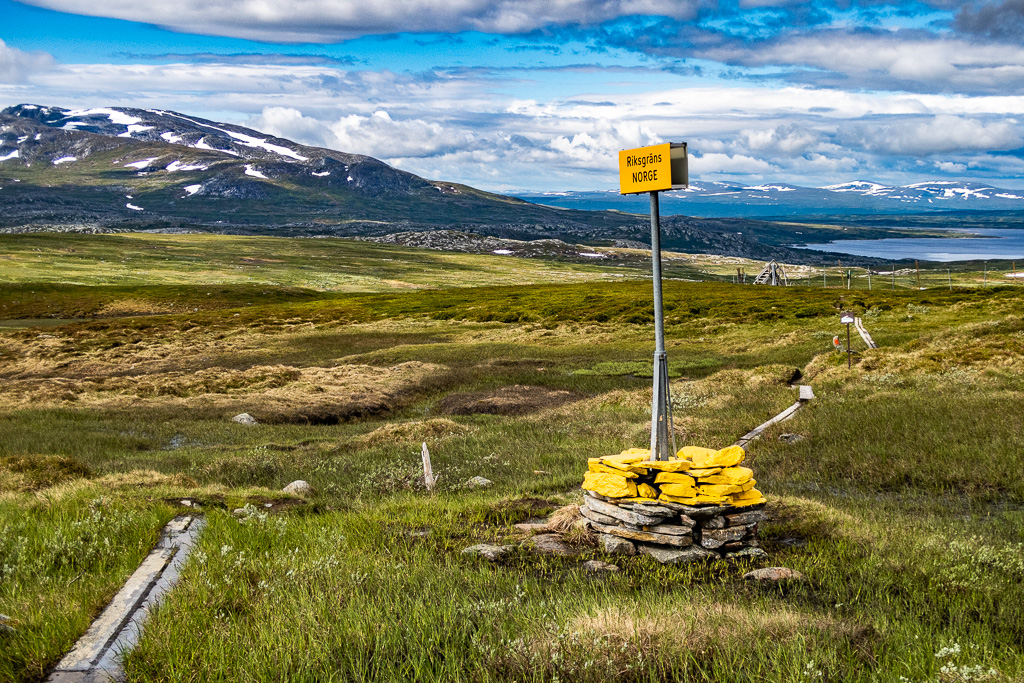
(662, 434)
(849, 351)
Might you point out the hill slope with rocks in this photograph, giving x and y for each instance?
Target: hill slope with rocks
(121, 168)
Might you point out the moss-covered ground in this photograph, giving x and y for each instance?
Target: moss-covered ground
(903, 503)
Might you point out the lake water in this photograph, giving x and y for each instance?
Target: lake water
(990, 245)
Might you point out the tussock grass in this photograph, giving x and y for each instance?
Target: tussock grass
(902, 504)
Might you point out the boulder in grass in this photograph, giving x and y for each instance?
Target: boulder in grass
(613, 545)
(488, 551)
(478, 482)
(749, 553)
(245, 419)
(5, 624)
(551, 544)
(598, 567)
(299, 487)
(774, 575)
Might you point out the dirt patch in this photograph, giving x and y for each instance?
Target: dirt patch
(514, 400)
(416, 431)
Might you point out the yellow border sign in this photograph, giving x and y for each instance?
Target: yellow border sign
(650, 169)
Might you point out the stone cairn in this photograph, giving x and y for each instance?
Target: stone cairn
(699, 505)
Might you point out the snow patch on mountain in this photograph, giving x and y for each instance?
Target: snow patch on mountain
(247, 140)
(133, 207)
(10, 155)
(133, 129)
(143, 163)
(115, 116)
(858, 186)
(192, 189)
(202, 145)
(178, 166)
(771, 188)
(64, 160)
(249, 170)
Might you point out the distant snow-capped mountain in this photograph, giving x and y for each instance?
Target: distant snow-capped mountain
(713, 198)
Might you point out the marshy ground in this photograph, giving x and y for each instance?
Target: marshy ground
(903, 503)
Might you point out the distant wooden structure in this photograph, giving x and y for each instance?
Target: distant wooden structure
(772, 274)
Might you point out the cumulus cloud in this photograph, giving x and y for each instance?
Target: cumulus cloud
(998, 20)
(16, 65)
(333, 20)
(890, 60)
(939, 134)
(456, 125)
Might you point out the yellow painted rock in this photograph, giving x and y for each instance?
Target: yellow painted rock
(709, 500)
(682, 490)
(601, 468)
(674, 478)
(665, 465)
(611, 485)
(749, 497)
(730, 475)
(637, 451)
(624, 458)
(646, 491)
(694, 500)
(704, 472)
(694, 452)
(685, 500)
(719, 490)
(748, 484)
(639, 500)
(727, 457)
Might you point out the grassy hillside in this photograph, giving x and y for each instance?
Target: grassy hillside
(903, 503)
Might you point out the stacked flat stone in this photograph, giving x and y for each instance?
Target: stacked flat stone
(697, 506)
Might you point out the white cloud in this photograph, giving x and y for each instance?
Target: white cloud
(889, 61)
(16, 65)
(941, 134)
(333, 20)
(461, 128)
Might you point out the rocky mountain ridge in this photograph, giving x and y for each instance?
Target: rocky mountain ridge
(122, 168)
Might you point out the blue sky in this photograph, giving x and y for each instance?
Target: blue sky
(540, 94)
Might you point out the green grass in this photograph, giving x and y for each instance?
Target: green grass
(903, 504)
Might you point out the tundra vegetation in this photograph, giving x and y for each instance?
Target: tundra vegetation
(902, 503)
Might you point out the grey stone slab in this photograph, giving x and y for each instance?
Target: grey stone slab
(92, 676)
(645, 536)
(702, 513)
(742, 518)
(614, 545)
(90, 646)
(652, 509)
(716, 538)
(628, 516)
(714, 523)
(674, 556)
(671, 529)
(597, 516)
(96, 657)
